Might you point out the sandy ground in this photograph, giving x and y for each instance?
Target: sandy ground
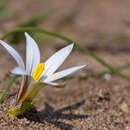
(85, 103)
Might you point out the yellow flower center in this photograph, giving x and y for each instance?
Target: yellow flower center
(38, 71)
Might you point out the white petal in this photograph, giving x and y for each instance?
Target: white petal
(55, 61)
(32, 54)
(63, 73)
(13, 53)
(51, 83)
(19, 71)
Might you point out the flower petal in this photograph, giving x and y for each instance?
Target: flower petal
(19, 71)
(56, 85)
(55, 61)
(63, 73)
(50, 83)
(13, 53)
(32, 54)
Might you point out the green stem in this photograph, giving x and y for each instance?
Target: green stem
(119, 68)
(10, 82)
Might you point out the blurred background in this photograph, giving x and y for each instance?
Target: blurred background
(85, 20)
(102, 26)
(98, 25)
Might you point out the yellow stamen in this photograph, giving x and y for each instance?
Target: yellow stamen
(38, 71)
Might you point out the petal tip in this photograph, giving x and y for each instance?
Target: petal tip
(82, 66)
(71, 46)
(25, 33)
(51, 83)
(2, 42)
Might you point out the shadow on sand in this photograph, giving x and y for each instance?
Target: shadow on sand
(48, 114)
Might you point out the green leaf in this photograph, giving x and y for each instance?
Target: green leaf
(18, 36)
(19, 110)
(10, 82)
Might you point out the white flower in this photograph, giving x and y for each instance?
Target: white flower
(35, 72)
